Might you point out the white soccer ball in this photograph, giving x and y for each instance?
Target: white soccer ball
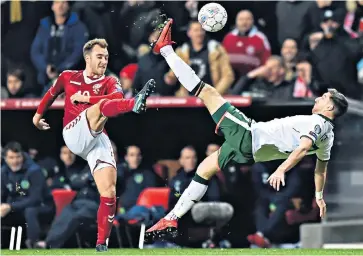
(212, 17)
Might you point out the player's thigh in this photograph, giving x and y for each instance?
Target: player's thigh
(211, 98)
(236, 129)
(78, 136)
(95, 118)
(209, 166)
(103, 166)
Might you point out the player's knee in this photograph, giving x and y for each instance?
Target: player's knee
(108, 191)
(206, 174)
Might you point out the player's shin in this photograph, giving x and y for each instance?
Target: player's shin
(194, 192)
(105, 217)
(182, 71)
(111, 108)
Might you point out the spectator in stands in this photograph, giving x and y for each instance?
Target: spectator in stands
(319, 7)
(293, 20)
(25, 197)
(79, 214)
(336, 55)
(188, 160)
(58, 43)
(288, 53)
(247, 47)
(153, 66)
(15, 85)
(134, 178)
(353, 24)
(127, 75)
(69, 169)
(211, 148)
(207, 58)
(271, 206)
(269, 81)
(19, 23)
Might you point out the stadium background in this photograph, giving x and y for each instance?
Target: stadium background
(175, 122)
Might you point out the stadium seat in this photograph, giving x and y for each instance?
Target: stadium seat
(62, 197)
(149, 197)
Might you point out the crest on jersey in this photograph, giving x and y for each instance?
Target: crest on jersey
(317, 129)
(250, 50)
(96, 88)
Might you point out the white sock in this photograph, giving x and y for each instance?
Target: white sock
(182, 71)
(194, 192)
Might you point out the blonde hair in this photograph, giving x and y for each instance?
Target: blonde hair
(87, 48)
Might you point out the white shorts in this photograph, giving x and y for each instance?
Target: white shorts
(94, 147)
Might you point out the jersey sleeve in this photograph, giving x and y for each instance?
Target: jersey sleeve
(323, 153)
(53, 92)
(114, 86)
(314, 129)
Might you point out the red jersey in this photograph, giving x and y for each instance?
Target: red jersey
(71, 82)
(247, 52)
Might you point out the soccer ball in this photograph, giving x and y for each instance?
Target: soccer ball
(212, 17)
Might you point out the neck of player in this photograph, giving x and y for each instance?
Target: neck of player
(90, 74)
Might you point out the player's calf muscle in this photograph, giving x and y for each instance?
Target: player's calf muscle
(209, 167)
(211, 98)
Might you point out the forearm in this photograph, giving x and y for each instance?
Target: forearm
(95, 99)
(319, 178)
(46, 102)
(25, 203)
(294, 158)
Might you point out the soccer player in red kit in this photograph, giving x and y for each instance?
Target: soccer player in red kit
(90, 99)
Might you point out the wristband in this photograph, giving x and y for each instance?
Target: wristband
(319, 195)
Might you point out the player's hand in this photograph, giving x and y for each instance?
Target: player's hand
(276, 178)
(322, 207)
(79, 98)
(4, 209)
(40, 123)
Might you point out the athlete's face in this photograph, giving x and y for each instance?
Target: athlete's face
(98, 60)
(14, 160)
(323, 103)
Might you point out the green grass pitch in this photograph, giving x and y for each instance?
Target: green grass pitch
(187, 252)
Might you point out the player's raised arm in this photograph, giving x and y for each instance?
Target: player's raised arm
(320, 179)
(47, 101)
(294, 158)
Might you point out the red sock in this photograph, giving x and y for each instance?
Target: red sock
(105, 216)
(110, 108)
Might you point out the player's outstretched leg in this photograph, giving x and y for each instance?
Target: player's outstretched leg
(193, 193)
(98, 113)
(185, 74)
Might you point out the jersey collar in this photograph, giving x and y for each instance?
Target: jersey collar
(90, 81)
(327, 119)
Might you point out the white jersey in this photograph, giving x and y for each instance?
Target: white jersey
(277, 138)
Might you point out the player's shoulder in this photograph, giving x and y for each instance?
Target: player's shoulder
(67, 74)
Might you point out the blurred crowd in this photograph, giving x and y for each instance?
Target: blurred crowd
(284, 50)
(258, 214)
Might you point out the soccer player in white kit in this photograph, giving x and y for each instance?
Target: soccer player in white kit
(247, 141)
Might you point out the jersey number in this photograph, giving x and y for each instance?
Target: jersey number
(84, 93)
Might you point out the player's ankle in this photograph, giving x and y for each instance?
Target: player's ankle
(166, 50)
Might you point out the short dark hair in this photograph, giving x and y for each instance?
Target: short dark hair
(13, 146)
(192, 21)
(340, 102)
(18, 73)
